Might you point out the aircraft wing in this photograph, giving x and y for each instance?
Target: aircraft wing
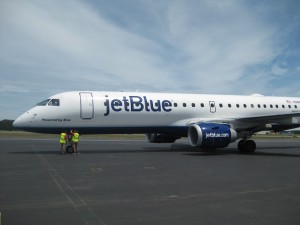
(269, 118)
(253, 123)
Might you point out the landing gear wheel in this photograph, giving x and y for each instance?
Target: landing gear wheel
(250, 146)
(241, 145)
(69, 149)
(247, 146)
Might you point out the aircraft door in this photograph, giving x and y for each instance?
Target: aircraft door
(86, 105)
(212, 106)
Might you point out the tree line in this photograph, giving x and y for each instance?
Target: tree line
(7, 125)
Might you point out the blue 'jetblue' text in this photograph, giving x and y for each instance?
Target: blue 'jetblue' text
(136, 104)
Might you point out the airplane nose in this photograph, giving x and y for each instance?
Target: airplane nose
(22, 121)
(18, 123)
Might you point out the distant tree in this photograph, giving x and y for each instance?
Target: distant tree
(6, 125)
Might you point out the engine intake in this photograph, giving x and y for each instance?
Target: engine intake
(211, 135)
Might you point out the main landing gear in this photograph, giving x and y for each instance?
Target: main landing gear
(246, 146)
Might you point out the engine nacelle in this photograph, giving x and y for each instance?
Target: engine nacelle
(161, 138)
(211, 135)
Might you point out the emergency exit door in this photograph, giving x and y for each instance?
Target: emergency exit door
(212, 106)
(86, 105)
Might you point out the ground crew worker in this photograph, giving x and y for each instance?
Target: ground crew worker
(63, 142)
(75, 140)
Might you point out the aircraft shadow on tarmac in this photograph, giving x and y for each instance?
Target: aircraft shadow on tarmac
(229, 151)
(183, 148)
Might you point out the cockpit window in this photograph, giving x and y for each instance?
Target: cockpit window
(54, 102)
(43, 102)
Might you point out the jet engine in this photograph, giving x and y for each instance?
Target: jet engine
(211, 135)
(161, 138)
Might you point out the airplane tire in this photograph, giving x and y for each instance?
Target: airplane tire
(247, 146)
(241, 145)
(69, 149)
(250, 146)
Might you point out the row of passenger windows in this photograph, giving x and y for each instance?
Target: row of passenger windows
(229, 105)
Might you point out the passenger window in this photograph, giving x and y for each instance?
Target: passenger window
(166, 104)
(175, 104)
(289, 106)
(193, 104)
(245, 106)
(229, 105)
(295, 107)
(258, 105)
(54, 102)
(252, 106)
(221, 105)
(271, 106)
(265, 106)
(202, 105)
(276, 106)
(184, 104)
(237, 105)
(43, 102)
(283, 106)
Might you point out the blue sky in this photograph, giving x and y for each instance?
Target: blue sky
(194, 46)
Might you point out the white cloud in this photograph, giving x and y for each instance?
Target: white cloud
(181, 46)
(220, 44)
(277, 70)
(9, 88)
(85, 41)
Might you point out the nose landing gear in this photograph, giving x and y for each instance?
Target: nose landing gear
(69, 148)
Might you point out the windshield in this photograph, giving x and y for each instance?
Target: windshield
(54, 102)
(50, 102)
(43, 102)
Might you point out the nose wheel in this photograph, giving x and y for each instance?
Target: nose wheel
(246, 146)
(69, 149)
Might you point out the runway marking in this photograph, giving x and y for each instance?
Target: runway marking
(96, 169)
(172, 196)
(85, 212)
(149, 168)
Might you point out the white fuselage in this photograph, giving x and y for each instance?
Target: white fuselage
(135, 112)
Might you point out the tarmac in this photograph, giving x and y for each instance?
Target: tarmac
(132, 182)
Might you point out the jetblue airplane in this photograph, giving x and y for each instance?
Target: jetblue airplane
(209, 121)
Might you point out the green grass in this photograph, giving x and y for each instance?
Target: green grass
(23, 134)
(274, 136)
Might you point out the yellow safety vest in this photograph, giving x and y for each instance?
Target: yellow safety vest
(75, 137)
(62, 138)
